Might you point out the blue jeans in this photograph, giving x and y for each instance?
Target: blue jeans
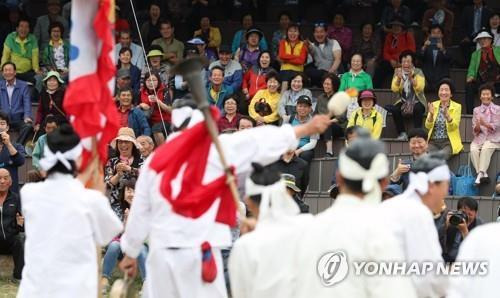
(114, 252)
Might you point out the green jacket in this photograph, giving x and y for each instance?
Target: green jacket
(361, 82)
(474, 61)
(48, 55)
(23, 54)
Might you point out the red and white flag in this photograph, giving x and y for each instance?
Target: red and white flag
(189, 152)
(89, 98)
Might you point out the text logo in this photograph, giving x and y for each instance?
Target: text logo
(332, 268)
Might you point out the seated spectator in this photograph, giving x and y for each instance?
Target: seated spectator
(486, 127)
(157, 103)
(342, 34)
(228, 123)
(125, 41)
(11, 154)
(395, 11)
(216, 90)
(292, 54)
(290, 163)
(356, 77)
(42, 26)
(408, 84)
(439, 15)
(12, 223)
(125, 62)
(264, 105)
(366, 115)
(336, 130)
(55, 55)
(396, 42)
(494, 28)
(455, 234)
(123, 81)
(21, 48)
(326, 54)
(51, 100)
(368, 44)
(147, 146)
(210, 34)
(177, 84)
(154, 57)
(121, 24)
(288, 101)
(201, 44)
(443, 122)
(474, 17)
(305, 149)
(131, 116)
(246, 122)
(484, 67)
(240, 40)
(10, 23)
(255, 78)
(417, 142)
(284, 22)
(435, 59)
(150, 30)
(248, 54)
(172, 48)
(123, 165)
(233, 74)
(50, 124)
(295, 192)
(15, 101)
(113, 250)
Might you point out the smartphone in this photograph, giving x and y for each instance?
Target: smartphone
(407, 162)
(434, 41)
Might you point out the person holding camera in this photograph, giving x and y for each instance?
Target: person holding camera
(436, 61)
(458, 225)
(11, 154)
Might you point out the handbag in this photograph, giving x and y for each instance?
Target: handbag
(463, 182)
(407, 108)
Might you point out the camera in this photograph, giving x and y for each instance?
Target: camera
(457, 217)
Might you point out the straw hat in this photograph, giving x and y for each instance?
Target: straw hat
(125, 134)
(155, 53)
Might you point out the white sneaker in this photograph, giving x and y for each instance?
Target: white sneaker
(478, 178)
(402, 137)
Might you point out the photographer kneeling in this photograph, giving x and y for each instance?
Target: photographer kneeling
(458, 224)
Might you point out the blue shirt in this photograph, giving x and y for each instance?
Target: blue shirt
(11, 163)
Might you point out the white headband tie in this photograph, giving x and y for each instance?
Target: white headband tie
(379, 168)
(50, 158)
(275, 201)
(420, 181)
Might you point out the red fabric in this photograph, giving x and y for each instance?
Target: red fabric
(155, 114)
(89, 97)
(290, 57)
(253, 82)
(192, 148)
(208, 265)
(405, 42)
(224, 123)
(124, 117)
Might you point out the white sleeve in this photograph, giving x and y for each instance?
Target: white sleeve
(105, 223)
(264, 145)
(240, 271)
(138, 222)
(336, 46)
(310, 146)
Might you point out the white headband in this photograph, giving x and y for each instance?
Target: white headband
(275, 201)
(420, 181)
(379, 168)
(50, 158)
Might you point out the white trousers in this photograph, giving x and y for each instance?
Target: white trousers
(481, 155)
(176, 273)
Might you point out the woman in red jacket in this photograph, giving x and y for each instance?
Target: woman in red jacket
(255, 78)
(292, 55)
(156, 102)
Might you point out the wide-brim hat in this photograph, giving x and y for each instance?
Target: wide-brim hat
(397, 22)
(155, 53)
(196, 41)
(55, 74)
(483, 34)
(125, 134)
(289, 180)
(367, 94)
(254, 30)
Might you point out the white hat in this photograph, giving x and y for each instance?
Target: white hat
(483, 34)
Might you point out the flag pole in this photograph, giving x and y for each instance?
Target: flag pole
(190, 71)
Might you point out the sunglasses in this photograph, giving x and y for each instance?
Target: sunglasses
(320, 24)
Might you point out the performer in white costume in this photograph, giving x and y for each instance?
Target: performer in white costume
(64, 224)
(351, 230)
(174, 260)
(259, 265)
(410, 217)
(481, 244)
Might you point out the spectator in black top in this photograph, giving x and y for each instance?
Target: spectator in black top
(293, 165)
(436, 61)
(11, 224)
(11, 155)
(455, 234)
(396, 10)
(150, 30)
